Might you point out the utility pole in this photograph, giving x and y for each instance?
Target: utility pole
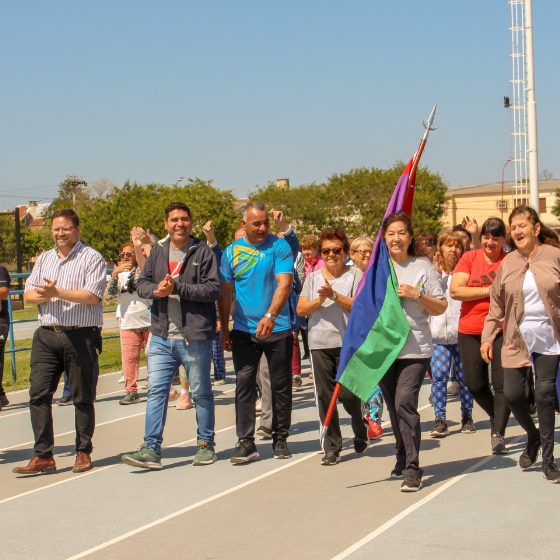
(74, 181)
(19, 252)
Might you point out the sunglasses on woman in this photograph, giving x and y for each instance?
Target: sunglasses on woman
(126, 255)
(334, 251)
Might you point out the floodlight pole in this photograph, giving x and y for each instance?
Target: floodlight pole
(531, 109)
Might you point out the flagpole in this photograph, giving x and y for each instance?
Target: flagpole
(407, 202)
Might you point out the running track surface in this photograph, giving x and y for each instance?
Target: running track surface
(472, 505)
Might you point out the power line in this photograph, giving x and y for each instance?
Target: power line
(26, 196)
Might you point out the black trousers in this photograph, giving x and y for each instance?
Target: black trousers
(400, 387)
(75, 352)
(475, 371)
(515, 390)
(247, 350)
(325, 364)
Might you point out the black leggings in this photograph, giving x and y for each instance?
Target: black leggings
(475, 371)
(546, 368)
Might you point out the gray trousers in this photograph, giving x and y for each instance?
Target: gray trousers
(263, 381)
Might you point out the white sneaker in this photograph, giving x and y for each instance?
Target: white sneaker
(121, 379)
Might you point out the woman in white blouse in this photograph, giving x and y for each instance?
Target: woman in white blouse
(525, 301)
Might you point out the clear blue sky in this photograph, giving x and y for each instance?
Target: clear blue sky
(243, 92)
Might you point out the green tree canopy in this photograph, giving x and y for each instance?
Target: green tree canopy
(106, 222)
(356, 200)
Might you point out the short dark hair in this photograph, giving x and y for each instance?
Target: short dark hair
(330, 233)
(494, 227)
(462, 229)
(67, 214)
(405, 219)
(177, 206)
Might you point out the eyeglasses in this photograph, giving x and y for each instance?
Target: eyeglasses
(334, 251)
(126, 255)
(364, 253)
(62, 230)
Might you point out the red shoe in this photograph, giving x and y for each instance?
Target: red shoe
(374, 429)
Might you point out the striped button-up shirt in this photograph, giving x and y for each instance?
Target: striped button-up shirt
(83, 269)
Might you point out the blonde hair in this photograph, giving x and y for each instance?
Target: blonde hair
(363, 239)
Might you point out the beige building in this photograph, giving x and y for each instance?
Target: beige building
(482, 201)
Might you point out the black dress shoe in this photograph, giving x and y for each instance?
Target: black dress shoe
(64, 401)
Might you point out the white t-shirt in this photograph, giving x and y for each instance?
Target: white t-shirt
(535, 325)
(420, 273)
(326, 325)
(133, 312)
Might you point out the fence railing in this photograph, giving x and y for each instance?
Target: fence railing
(18, 277)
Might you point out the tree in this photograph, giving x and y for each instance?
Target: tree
(72, 193)
(33, 242)
(101, 188)
(546, 175)
(106, 222)
(356, 200)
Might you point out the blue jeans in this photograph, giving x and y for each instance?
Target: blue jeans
(165, 355)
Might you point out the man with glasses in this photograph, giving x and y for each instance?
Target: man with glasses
(181, 277)
(260, 266)
(67, 284)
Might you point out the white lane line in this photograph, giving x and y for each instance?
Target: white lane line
(54, 404)
(406, 512)
(96, 426)
(208, 500)
(101, 469)
(74, 431)
(95, 471)
(196, 505)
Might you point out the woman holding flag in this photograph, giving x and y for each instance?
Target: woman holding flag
(421, 295)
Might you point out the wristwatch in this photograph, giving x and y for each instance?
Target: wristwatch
(420, 294)
(271, 316)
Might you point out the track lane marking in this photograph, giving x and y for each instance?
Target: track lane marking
(412, 508)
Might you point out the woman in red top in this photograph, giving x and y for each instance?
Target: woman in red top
(472, 278)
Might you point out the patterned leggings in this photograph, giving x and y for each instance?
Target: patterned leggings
(374, 407)
(441, 366)
(218, 358)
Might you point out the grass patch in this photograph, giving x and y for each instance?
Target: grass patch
(30, 312)
(109, 361)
